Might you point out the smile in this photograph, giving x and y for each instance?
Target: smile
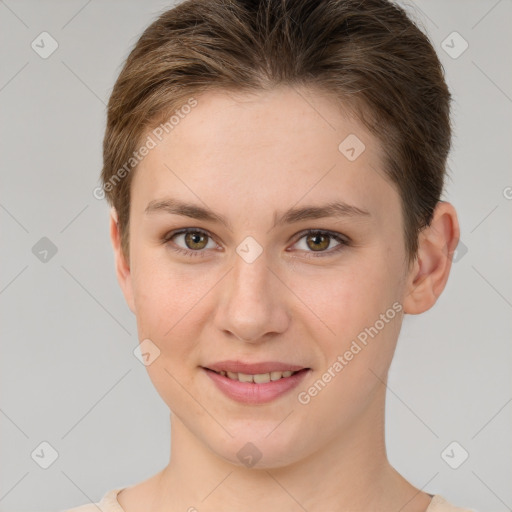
(256, 388)
(258, 378)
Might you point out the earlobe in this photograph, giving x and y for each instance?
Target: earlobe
(123, 272)
(429, 273)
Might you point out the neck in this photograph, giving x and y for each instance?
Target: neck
(350, 472)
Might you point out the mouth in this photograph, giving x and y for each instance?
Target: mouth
(257, 378)
(258, 384)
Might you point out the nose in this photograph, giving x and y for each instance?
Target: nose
(253, 304)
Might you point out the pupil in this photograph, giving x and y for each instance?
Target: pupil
(319, 241)
(193, 239)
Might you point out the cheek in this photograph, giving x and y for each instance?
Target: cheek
(350, 301)
(167, 305)
(348, 298)
(155, 305)
(357, 354)
(162, 292)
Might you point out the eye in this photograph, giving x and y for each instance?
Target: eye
(194, 240)
(318, 241)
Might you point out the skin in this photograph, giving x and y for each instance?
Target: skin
(247, 157)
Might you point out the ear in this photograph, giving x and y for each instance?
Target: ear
(124, 276)
(429, 272)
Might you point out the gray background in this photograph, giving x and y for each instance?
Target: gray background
(68, 373)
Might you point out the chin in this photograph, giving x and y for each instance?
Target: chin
(259, 447)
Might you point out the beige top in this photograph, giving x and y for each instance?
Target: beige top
(109, 503)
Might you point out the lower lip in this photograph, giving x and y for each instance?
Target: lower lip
(252, 393)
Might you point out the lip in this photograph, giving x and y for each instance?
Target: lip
(252, 393)
(253, 368)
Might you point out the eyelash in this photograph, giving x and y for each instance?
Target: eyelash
(343, 242)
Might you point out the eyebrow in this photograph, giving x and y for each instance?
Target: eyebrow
(293, 215)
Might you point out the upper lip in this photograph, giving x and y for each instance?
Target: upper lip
(253, 368)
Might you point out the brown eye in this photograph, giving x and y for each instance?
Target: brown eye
(196, 240)
(318, 241)
(192, 242)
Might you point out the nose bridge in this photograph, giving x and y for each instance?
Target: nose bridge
(250, 279)
(251, 305)
(250, 275)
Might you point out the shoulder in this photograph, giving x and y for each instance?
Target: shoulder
(439, 504)
(108, 503)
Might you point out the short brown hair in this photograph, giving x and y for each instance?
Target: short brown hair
(366, 53)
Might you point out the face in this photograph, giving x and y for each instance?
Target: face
(266, 275)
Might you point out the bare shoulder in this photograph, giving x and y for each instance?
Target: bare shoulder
(440, 504)
(122, 499)
(108, 503)
(137, 497)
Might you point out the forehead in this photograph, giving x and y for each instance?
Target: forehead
(278, 119)
(278, 145)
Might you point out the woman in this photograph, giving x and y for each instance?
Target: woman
(275, 171)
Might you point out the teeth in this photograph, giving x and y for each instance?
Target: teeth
(259, 378)
(244, 377)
